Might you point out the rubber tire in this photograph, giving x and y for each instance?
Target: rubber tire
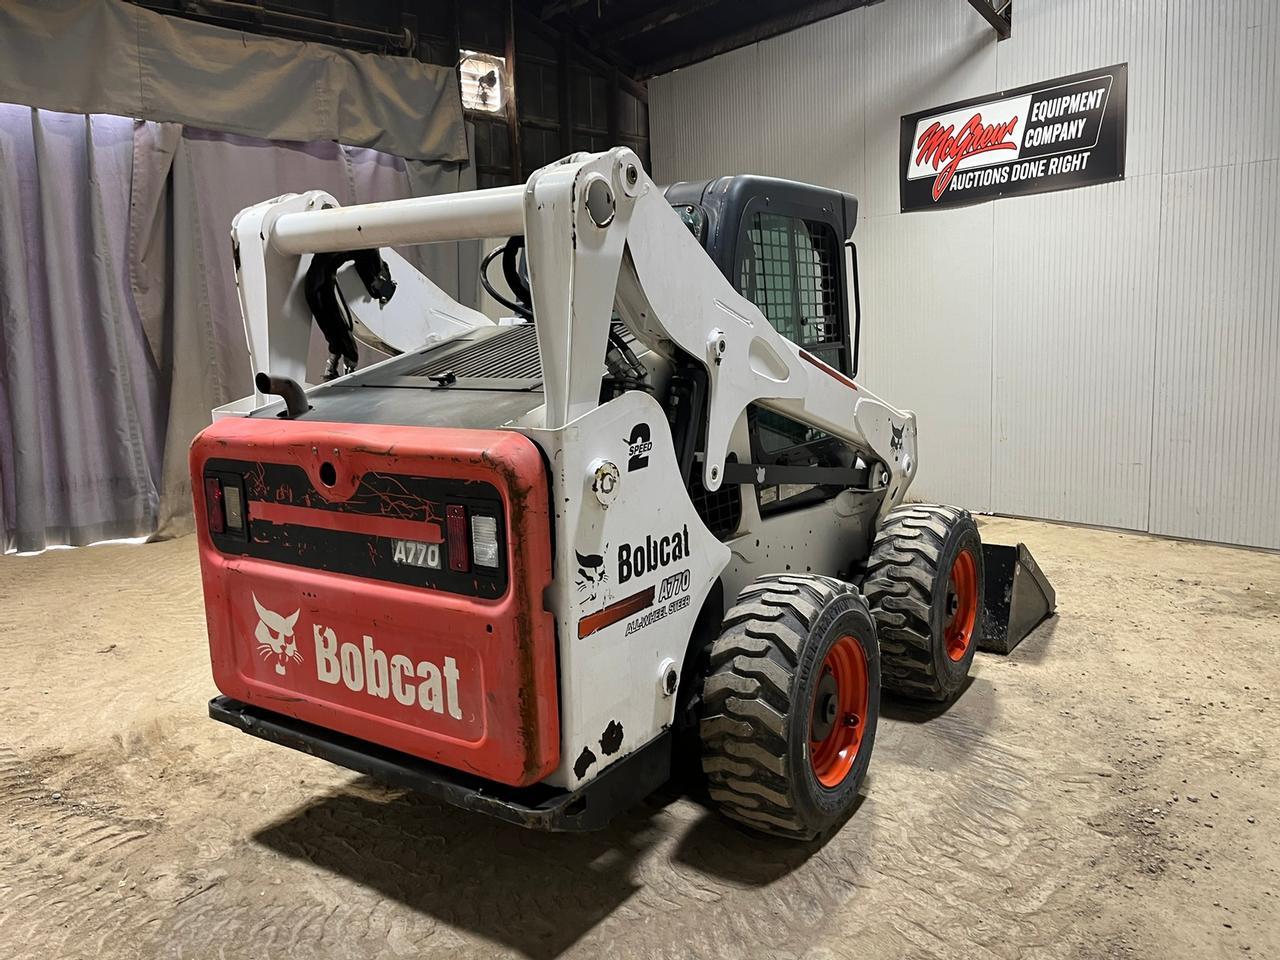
(906, 587)
(763, 669)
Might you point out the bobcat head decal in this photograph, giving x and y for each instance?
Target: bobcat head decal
(274, 634)
(895, 441)
(591, 572)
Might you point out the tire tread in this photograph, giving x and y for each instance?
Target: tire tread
(901, 573)
(747, 708)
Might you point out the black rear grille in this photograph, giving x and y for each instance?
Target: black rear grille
(511, 354)
(349, 536)
(720, 511)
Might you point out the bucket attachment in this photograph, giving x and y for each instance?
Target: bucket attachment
(1017, 598)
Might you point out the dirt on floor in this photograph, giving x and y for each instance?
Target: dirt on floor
(1106, 791)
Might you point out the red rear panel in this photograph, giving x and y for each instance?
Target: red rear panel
(342, 586)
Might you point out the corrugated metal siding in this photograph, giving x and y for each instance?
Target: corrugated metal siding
(1075, 317)
(1223, 79)
(926, 342)
(786, 140)
(915, 52)
(1216, 431)
(1217, 391)
(1053, 38)
(708, 112)
(1106, 355)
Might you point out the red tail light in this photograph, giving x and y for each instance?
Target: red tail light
(213, 505)
(456, 534)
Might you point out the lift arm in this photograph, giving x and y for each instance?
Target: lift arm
(270, 275)
(599, 236)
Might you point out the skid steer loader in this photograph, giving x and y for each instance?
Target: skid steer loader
(520, 565)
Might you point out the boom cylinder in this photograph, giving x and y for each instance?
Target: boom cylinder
(476, 215)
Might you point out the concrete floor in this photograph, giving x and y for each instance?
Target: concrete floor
(1107, 791)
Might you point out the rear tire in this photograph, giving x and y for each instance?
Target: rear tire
(924, 584)
(789, 708)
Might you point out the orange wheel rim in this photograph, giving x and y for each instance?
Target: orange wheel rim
(962, 605)
(838, 714)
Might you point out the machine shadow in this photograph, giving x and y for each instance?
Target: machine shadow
(920, 711)
(535, 893)
(718, 848)
(1035, 647)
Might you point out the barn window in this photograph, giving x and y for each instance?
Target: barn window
(483, 79)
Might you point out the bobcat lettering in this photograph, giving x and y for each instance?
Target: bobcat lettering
(642, 558)
(371, 671)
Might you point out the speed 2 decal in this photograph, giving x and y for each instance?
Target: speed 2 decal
(638, 446)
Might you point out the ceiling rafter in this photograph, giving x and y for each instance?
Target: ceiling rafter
(800, 15)
(1001, 18)
(662, 16)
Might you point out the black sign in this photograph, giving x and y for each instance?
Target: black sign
(1063, 133)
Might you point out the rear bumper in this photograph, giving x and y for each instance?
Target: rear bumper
(538, 807)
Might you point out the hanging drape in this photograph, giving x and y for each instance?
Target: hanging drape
(78, 452)
(111, 57)
(119, 323)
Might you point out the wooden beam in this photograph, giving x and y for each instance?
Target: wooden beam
(801, 16)
(513, 111)
(999, 19)
(557, 7)
(564, 70)
(593, 60)
(653, 19)
(613, 107)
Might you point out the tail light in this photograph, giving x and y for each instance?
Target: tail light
(224, 504)
(456, 525)
(213, 504)
(484, 540)
(473, 539)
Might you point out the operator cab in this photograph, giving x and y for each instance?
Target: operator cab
(781, 244)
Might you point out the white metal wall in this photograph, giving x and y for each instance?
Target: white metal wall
(1106, 355)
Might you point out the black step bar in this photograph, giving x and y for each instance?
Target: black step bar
(540, 807)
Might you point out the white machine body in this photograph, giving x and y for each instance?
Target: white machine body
(602, 240)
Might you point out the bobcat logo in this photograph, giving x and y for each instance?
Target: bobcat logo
(895, 441)
(591, 572)
(274, 634)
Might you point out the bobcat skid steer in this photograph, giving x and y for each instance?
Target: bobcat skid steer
(518, 566)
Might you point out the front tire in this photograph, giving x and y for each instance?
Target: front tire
(789, 709)
(924, 583)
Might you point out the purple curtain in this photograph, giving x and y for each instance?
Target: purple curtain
(78, 437)
(119, 323)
